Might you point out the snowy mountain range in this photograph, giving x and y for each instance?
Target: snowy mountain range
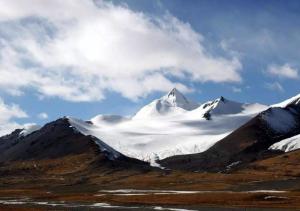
(176, 126)
(171, 104)
(268, 133)
(171, 125)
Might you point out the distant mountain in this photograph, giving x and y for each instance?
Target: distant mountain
(252, 141)
(223, 106)
(171, 125)
(16, 136)
(172, 103)
(171, 132)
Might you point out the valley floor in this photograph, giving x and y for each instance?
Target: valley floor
(152, 190)
(79, 182)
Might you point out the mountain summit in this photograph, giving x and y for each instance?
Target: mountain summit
(222, 106)
(176, 98)
(172, 103)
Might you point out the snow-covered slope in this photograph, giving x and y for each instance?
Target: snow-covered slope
(58, 140)
(222, 106)
(283, 117)
(288, 144)
(108, 119)
(78, 126)
(171, 104)
(172, 128)
(291, 101)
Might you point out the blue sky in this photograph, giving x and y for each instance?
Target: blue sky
(82, 58)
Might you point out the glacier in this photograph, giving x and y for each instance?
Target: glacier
(171, 125)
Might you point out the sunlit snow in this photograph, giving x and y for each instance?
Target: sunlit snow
(172, 128)
(288, 144)
(29, 128)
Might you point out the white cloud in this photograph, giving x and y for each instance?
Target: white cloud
(77, 50)
(236, 89)
(284, 71)
(276, 86)
(7, 115)
(43, 115)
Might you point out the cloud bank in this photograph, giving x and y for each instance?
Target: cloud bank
(8, 114)
(284, 71)
(78, 50)
(43, 115)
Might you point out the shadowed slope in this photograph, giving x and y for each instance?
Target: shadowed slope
(246, 144)
(58, 140)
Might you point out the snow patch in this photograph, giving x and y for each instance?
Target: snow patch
(232, 165)
(82, 206)
(275, 197)
(145, 192)
(287, 145)
(11, 202)
(171, 209)
(170, 192)
(266, 191)
(29, 128)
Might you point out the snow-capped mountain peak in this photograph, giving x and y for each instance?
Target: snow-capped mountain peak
(173, 102)
(175, 97)
(170, 125)
(215, 103)
(223, 106)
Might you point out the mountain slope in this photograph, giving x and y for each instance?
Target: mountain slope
(287, 164)
(248, 143)
(16, 136)
(223, 106)
(57, 140)
(152, 137)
